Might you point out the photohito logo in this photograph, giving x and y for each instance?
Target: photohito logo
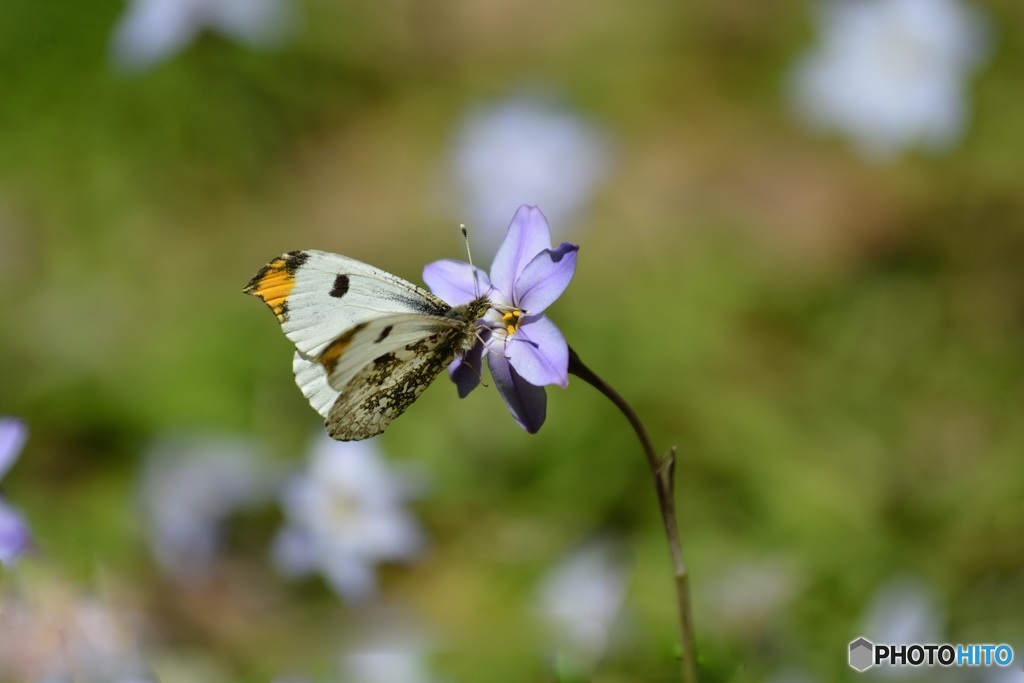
(864, 654)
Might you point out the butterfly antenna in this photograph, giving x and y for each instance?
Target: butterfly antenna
(465, 236)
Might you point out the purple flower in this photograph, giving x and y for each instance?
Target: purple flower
(525, 147)
(190, 486)
(890, 75)
(153, 30)
(14, 536)
(524, 349)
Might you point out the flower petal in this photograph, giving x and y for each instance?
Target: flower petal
(527, 403)
(262, 23)
(150, 32)
(545, 278)
(14, 536)
(527, 235)
(13, 433)
(453, 281)
(293, 552)
(539, 352)
(352, 578)
(465, 371)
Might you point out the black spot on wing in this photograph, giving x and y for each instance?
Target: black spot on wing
(340, 287)
(383, 334)
(415, 303)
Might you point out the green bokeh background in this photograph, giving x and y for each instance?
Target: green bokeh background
(836, 346)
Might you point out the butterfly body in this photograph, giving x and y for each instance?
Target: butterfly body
(368, 343)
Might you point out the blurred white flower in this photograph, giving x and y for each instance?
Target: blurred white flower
(14, 534)
(57, 637)
(903, 610)
(522, 151)
(345, 515)
(891, 74)
(749, 594)
(580, 600)
(189, 487)
(386, 663)
(153, 30)
(1000, 674)
(389, 648)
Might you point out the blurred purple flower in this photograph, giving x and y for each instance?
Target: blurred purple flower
(190, 486)
(890, 73)
(14, 535)
(153, 30)
(525, 350)
(345, 515)
(13, 434)
(523, 150)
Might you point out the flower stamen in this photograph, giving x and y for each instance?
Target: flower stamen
(510, 320)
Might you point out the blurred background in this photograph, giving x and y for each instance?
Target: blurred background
(801, 239)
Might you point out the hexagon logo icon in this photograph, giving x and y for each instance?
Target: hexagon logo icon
(861, 651)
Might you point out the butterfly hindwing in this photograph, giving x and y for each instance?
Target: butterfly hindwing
(377, 372)
(359, 346)
(381, 390)
(323, 378)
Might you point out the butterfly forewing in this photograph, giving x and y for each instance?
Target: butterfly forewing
(317, 296)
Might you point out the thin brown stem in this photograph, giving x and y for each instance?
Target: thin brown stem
(663, 471)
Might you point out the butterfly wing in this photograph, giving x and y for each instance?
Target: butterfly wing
(381, 390)
(367, 342)
(317, 296)
(369, 375)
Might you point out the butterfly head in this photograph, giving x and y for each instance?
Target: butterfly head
(476, 308)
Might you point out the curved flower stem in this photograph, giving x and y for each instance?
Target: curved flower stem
(663, 471)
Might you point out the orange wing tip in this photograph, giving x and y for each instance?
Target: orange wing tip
(274, 282)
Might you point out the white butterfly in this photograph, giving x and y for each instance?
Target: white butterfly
(367, 342)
